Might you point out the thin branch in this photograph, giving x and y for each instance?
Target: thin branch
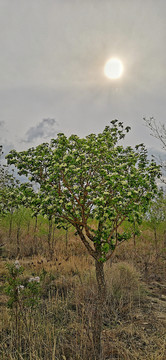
(71, 192)
(115, 227)
(91, 251)
(157, 132)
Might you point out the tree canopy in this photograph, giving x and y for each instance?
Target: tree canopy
(9, 188)
(92, 178)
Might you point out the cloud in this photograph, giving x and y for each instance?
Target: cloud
(45, 129)
(1, 123)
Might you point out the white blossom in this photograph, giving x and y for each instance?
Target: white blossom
(17, 264)
(20, 287)
(36, 279)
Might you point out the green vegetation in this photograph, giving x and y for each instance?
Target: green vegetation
(99, 191)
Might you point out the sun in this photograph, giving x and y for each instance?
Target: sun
(113, 68)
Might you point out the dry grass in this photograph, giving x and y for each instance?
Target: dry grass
(60, 327)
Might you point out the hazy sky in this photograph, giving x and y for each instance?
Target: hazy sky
(52, 56)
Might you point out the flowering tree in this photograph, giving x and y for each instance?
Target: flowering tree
(87, 181)
(9, 193)
(13, 196)
(9, 187)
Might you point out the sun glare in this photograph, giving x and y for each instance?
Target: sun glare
(113, 68)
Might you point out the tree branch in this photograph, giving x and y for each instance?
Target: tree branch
(91, 251)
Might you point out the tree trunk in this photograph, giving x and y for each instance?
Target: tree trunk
(98, 313)
(10, 225)
(49, 237)
(35, 236)
(134, 236)
(164, 238)
(156, 242)
(66, 238)
(18, 237)
(28, 226)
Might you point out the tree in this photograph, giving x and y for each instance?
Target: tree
(156, 215)
(159, 132)
(9, 192)
(87, 180)
(8, 184)
(13, 195)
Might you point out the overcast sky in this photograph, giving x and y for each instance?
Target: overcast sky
(52, 56)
